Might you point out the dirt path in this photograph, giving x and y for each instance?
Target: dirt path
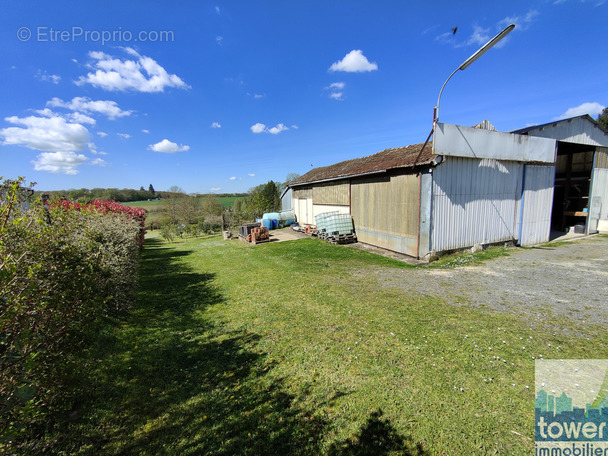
(568, 280)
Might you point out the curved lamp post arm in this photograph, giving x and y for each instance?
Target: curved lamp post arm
(482, 50)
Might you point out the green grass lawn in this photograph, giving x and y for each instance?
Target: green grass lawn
(277, 350)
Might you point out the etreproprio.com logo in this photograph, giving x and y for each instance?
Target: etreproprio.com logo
(42, 34)
(571, 407)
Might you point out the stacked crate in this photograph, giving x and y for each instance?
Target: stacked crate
(336, 228)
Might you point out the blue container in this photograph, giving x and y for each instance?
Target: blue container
(268, 224)
(275, 224)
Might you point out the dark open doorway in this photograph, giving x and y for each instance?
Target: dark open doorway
(573, 170)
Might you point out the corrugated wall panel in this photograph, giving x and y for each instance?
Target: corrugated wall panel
(600, 190)
(578, 130)
(335, 193)
(538, 203)
(474, 202)
(385, 212)
(601, 158)
(286, 200)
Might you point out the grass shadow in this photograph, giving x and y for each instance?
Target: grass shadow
(377, 437)
(166, 380)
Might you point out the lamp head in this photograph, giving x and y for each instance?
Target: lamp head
(486, 46)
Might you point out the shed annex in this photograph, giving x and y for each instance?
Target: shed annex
(472, 186)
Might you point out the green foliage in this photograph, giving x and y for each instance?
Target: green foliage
(602, 118)
(263, 198)
(211, 205)
(61, 271)
(85, 195)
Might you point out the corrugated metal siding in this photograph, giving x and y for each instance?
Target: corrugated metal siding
(600, 190)
(578, 130)
(474, 202)
(385, 212)
(286, 200)
(601, 157)
(538, 203)
(336, 193)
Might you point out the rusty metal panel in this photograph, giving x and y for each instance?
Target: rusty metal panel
(601, 157)
(385, 211)
(335, 193)
(537, 205)
(474, 202)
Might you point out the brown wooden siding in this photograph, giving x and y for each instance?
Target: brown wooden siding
(385, 211)
(334, 193)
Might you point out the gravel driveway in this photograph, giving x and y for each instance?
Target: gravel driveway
(565, 280)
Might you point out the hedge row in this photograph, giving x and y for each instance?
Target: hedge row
(63, 267)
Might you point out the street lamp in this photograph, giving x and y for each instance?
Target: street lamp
(468, 62)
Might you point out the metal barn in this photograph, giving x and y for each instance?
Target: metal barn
(581, 172)
(471, 186)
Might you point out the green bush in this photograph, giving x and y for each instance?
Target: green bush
(61, 271)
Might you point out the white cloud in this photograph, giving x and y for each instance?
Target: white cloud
(593, 109)
(124, 135)
(98, 162)
(295, 127)
(480, 36)
(216, 125)
(215, 189)
(84, 104)
(46, 134)
(103, 134)
(337, 85)
(60, 162)
(168, 147)
(259, 96)
(251, 175)
(145, 131)
(258, 128)
(217, 9)
(278, 128)
(233, 178)
(354, 62)
(521, 22)
(336, 96)
(44, 76)
(219, 39)
(143, 74)
(74, 117)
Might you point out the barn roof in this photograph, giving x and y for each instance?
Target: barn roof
(399, 157)
(554, 123)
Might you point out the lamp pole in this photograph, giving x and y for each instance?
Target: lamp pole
(482, 50)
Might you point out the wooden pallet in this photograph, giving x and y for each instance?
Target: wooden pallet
(342, 238)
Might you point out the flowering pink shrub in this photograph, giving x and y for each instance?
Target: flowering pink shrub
(111, 207)
(64, 269)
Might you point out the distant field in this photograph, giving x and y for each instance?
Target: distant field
(225, 201)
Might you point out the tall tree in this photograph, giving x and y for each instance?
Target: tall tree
(151, 189)
(602, 119)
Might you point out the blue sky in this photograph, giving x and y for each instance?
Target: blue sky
(223, 96)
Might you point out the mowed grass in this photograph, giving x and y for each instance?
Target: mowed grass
(277, 350)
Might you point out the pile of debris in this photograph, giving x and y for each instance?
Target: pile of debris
(254, 233)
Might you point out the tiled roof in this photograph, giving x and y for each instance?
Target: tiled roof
(399, 157)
